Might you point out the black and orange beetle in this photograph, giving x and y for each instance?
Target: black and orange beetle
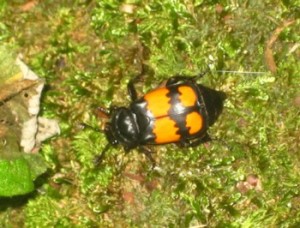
(178, 112)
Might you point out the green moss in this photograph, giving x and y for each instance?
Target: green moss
(88, 50)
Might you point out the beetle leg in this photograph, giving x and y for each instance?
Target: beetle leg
(200, 75)
(195, 142)
(205, 138)
(177, 78)
(145, 150)
(131, 90)
(99, 158)
(130, 86)
(105, 113)
(148, 153)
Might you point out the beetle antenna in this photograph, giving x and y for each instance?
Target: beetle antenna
(87, 126)
(98, 159)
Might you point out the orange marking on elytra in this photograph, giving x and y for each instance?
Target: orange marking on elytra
(194, 122)
(187, 96)
(165, 130)
(158, 102)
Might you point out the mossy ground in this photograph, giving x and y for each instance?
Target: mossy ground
(88, 51)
